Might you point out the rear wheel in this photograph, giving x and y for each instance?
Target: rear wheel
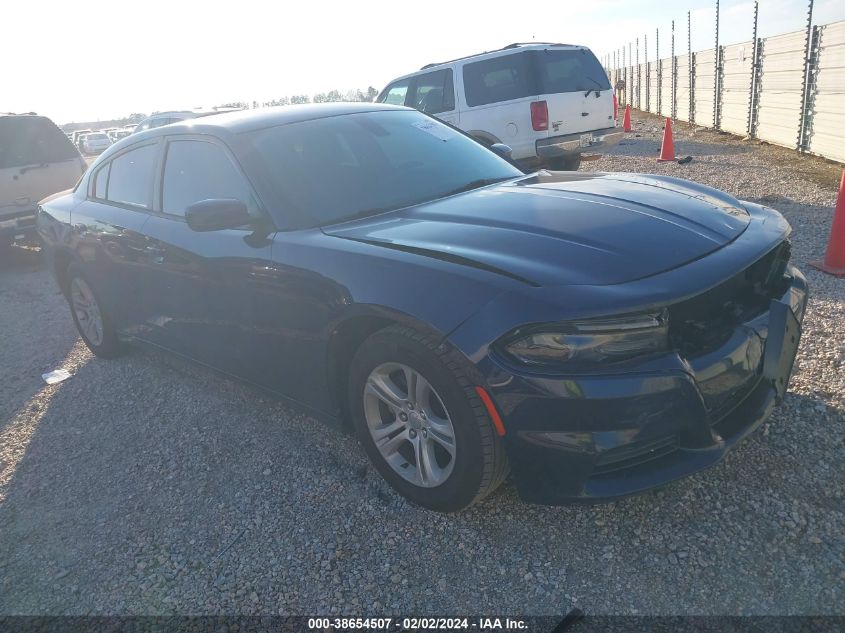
(421, 422)
(567, 163)
(92, 321)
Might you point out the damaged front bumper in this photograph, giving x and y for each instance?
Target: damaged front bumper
(588, 438)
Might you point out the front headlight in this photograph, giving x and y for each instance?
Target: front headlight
(592, 342)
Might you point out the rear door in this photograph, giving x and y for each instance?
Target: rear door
(575, 88)
(36, 160)
(498, 92)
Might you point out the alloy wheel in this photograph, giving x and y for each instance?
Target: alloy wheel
(87, 311)
(409, 424)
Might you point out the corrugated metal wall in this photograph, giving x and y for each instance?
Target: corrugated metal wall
(641, 87)
(666, 87)
(682, 87)
(652, 88)
(737, 60)
(705, 75)
(827, 134)
(781, 88)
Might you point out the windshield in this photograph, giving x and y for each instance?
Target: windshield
(337, 168)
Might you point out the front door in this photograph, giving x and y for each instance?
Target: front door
(203, 283)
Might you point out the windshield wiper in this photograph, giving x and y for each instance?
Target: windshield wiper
(587, 94)
(476, 184)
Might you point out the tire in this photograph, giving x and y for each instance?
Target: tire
(446, 482)
(569, 163)
(102, 340)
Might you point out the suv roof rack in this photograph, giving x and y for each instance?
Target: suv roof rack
(496, 50)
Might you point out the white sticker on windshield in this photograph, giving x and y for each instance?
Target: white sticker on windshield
(435, 129)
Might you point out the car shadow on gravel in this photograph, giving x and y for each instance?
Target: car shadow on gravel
(20, 259)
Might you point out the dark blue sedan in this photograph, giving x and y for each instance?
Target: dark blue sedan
(593, 334)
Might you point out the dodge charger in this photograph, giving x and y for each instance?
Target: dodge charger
(593, 335)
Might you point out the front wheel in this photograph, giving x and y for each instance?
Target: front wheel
(421, 422)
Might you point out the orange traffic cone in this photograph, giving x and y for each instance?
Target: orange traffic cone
(626, 120)
(667, 152)
(834, 259)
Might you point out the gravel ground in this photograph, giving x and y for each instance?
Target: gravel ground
(149, 486)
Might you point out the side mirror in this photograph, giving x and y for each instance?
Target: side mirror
(217, 214)
(502, 150)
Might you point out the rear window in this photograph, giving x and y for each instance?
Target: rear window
(96, 137)
(532, 73)
(499, 79)
(569, 71)
(30, 140)
(131, 177)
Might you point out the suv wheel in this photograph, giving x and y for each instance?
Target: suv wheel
(421, 422)
(568, 163)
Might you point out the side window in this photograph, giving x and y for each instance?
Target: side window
(197, 170)
(499, 79)
(434, 92)
(131, 176)
(101, 179)
(395, 94)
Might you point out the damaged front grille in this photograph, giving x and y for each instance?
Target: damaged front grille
(707, 321)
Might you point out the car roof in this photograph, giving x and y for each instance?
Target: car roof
(241, 121)
(510, 48)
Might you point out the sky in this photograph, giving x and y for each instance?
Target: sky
(99, 59)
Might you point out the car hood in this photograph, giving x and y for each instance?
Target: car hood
(556, 228)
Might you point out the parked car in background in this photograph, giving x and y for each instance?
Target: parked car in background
(116, 135)
(160, 119)
(547, 102)
(36, 160)
(77, 137)
(598, 334)
(95, 142)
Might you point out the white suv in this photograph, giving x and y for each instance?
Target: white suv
(547, 102)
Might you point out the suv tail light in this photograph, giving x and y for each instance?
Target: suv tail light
(540, 116)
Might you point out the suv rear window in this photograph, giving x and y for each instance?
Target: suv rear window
(569, 71)
(32, 140)
(532, 73)
(499, 79)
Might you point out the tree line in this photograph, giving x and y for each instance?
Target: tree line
(332, 96)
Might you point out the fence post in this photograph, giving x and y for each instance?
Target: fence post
(720, 72)
(674, 109)
(647, 75)
(690, 62)
(659, 71)
(809, 67)
(639, 78)
(754, 77)
(716, 74)
(809, 105)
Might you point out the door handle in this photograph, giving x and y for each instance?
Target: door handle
(585, 114)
